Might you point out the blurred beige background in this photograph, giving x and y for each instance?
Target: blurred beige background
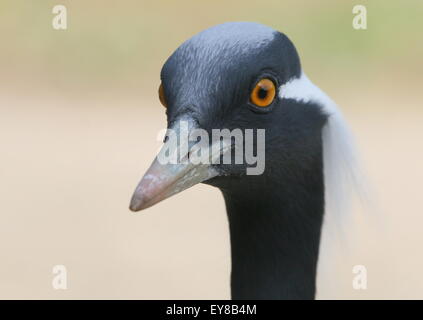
(79, 115)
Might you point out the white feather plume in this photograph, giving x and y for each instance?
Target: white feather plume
(342, 174)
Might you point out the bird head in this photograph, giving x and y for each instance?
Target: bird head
(234, 76)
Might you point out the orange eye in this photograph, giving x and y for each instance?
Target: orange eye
(263, 93)
(162, 96)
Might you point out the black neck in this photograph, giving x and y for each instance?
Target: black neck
(275, 235)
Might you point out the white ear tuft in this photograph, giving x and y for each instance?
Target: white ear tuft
(343, 177)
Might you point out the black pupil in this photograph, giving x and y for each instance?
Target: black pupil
(262, 93)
